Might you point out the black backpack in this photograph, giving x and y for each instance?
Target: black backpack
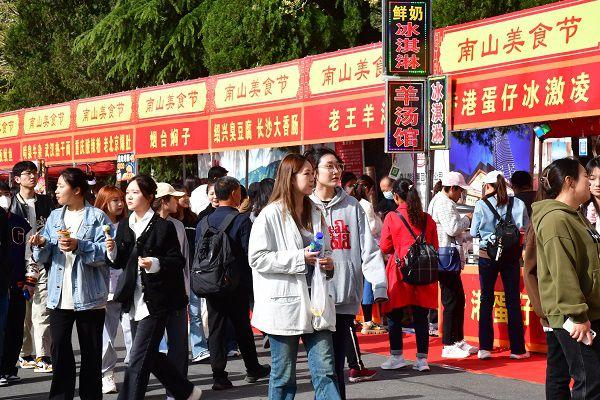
(213, 268)
(505, 242)
(420, 264)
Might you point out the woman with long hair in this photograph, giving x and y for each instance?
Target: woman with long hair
(396, 239)
(112, 201)
(496, 202)
(593, 205)
(568, 273)
(150, 288)
(354, 251)
(73, 240)
(557, 369)
(264, 192)
(282, 269)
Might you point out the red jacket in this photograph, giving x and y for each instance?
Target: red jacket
(396, 239)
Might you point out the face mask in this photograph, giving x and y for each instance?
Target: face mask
(5, 202)
(388, 195)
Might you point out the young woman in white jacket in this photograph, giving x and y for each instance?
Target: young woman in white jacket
(282, 269)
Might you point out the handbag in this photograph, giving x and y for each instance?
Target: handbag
(449, 259)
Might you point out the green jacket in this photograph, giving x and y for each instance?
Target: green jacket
(568, 263)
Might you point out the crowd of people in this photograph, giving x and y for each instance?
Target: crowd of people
(217, 260)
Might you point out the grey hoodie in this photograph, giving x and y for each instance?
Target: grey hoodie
(355, 252)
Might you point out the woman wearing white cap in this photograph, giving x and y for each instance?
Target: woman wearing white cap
(498, 221)
(450, 225)
(165, 204)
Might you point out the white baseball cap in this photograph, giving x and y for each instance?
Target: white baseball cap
(164, 189)
(492, 177)
(453, 178)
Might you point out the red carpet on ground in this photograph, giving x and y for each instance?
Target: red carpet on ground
(531, 370)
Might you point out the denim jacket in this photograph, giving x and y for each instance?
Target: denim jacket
(90, 275)
(484, 223)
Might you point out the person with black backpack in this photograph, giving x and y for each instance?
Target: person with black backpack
(408, 233)
(221, 273)
(498, 222)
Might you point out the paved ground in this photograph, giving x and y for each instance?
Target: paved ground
(440, 383)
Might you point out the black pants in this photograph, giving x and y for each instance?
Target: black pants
(510, 274)
(557, 371)
(144, 358)
(367, 310)
(234, 307)
(420, 324)
(353, 350)
(453, 300)
(584, 364)
(341, 336)
(177, 341)
(13, 337)
(89, 332)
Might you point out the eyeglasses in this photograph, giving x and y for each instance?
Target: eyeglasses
(333, 167)
(29, 173)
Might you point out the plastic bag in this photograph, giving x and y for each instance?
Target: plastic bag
(321, 303)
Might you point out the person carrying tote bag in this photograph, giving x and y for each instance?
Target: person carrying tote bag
(450, 224)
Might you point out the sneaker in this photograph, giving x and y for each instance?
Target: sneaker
(467, 347)
(108, 384)
(3, 381)
(361, 375)
(222, 384)
(421, 365)
(196, 394)
(484, 354)
(433, 330)
(394, 362)
(455, 352)
(27, 362)
(12, 378)
(201, 357)
(43, 365)
(233, 353)
(371, 328)
(520, 356)
(262, 372)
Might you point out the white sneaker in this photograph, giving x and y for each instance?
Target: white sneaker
(196, 394)
(454, 351)
(394, 362)
(520, 356)
(201, 357)
(484, 354)
(3, 381)
(108, 384)
(467, 347)
(233, 353)
(421, 365)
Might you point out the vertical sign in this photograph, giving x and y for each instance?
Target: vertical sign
(407, 37)
(405, 117)
(126, 167)
(438, 105)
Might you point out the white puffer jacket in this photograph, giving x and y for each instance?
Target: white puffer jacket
(276, 256)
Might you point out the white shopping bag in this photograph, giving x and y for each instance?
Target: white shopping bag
(321, 303)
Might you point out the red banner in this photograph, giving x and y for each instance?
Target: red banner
(172, 138)
(102, 146)
(352, 154)
(10, 153)
(51, 149)
(356, 118)
(557, 91)
(535, 338)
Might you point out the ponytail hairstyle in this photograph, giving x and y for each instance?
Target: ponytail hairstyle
(591, 165)
(438, 187)
(500, 191)
(361, 187)
(405, 189)
(553, 178)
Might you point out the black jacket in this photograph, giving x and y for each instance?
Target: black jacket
(5, 267)
(43, 208)
(164, 291)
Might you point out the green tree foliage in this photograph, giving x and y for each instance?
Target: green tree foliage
(8, 14)
(37, 50)
(168, 169)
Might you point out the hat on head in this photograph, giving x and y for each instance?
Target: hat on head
(492, 177)
(164, 189)
(453, 178)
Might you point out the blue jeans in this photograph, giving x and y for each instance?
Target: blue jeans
(284, 352)
(510, 274)
(197, 335)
